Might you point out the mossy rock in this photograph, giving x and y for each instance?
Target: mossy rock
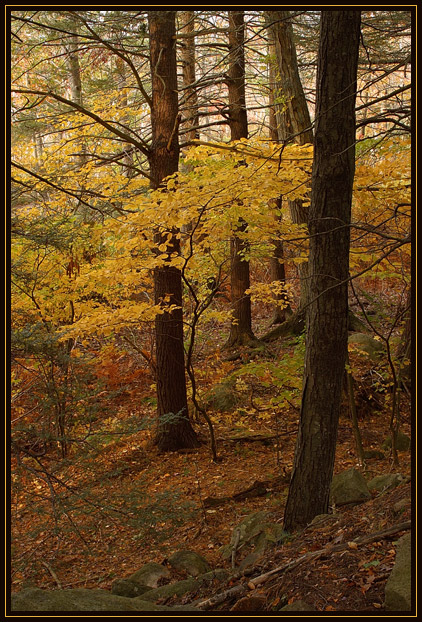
(398, 589)
(144, 579)
(402, 442)
(35, 599)
(223, 397)
(385, 482)
(349, 487)
(367, 344)
(373, 454)
(298, 605)
(190, 562)
(253, 536)
(180, 588)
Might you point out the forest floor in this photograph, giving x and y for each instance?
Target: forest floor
(123, 504)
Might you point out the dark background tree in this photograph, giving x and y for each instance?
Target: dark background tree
(241, 325)
(329, 230)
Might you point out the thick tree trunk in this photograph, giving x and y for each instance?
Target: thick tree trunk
(174, 429)
(241, 326)
(329, 228)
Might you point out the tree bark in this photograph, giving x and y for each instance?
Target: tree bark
(241, 326)
(292, 113)
(190, 96)
(329, 229)
(174, 430)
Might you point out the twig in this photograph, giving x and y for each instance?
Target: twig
(235, 545)
(173, 132)
(53, 574)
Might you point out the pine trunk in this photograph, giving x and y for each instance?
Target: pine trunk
(174, 430)
(329, 229)
(241, 326)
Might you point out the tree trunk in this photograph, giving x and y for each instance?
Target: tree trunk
(174, 430)
(241, 326)
(190, 96)
(127, 159)
(294, 122)
(276, 123)
(329, 228)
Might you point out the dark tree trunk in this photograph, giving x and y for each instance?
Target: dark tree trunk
(174, 429)
(329, 228)
(241, 326)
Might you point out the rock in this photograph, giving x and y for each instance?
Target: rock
(127, 588)
(255, 602)
(183, 587)
(35, 599)
(223, 396)
(367, 344)
(253, 536)
(140, 581)
(321, 519)
(349, 487)
(400, 506)
(383, 482)
(370, 454)
(402, 444)
(398, 589)
(189, 562)
(298, 605)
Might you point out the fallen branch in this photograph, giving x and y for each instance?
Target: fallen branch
(53, 574)
(242, 588)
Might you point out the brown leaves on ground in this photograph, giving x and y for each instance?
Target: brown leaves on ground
(130, 505)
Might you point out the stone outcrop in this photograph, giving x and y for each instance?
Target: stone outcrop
(398, 589)
(35, 599)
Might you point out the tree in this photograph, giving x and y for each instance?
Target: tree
(329, 230)
(189, 100)
(294, 121)
(241, 325)
(174, 428)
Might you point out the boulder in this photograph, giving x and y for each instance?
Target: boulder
(128, 588)
(379, 483)
(35, 599)
(298, 605)
(367, 344)
(373, 454)
(140, 581)
(253, 536)
(400, 506)
(190, 562)
(402, 442)
(349, 487)
(180, 588)
(398, 589)
(253, 602)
